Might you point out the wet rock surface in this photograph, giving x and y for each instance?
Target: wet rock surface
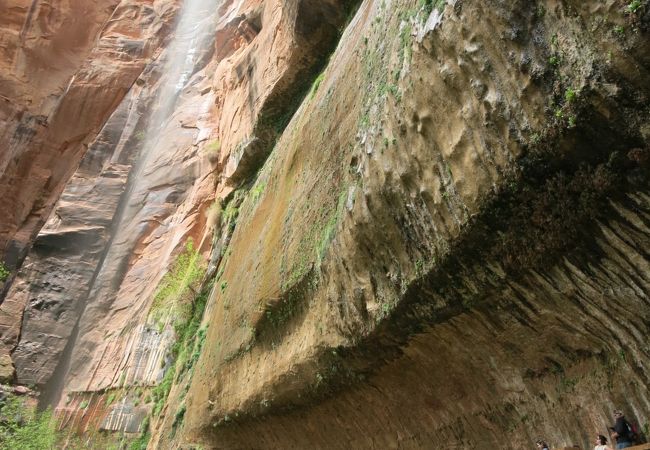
(86, 285)
(424, 246)
(60, 79)
(446, 245)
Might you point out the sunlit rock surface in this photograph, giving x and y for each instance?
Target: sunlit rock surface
(64, 69)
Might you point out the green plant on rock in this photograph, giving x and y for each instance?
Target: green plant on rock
(110, 399)
(231, 212)
(257, 191)
(405, 41)
(4, 272)
(213, 147)
(329, 230)
(160, 392)
(178, 287)
(572, 121)
(180, 415)
(570, 95)
(22, 428)
(634, 5)
(187, 329)
(428, 5)
(142, 441)
(316, 85)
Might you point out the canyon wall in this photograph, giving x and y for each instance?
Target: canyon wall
(417, 224)
(428, 258)
(65, 67)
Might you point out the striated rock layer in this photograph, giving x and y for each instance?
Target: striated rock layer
(138, 196)
(444, 247)
(447, 246)
(60, 79)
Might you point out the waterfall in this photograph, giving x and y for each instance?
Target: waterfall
(139, 203)
(181, 57)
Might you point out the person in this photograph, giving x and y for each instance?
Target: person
(621, 431)
(541, 445)
(601, 443)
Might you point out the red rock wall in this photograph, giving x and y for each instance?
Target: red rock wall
(61, 77)
(87, 283)
(374, 292)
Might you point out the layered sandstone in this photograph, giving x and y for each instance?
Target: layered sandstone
(435, 257)
(139, 195)
(446, 247)
(65, 68)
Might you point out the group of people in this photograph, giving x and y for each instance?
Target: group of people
(622, 431)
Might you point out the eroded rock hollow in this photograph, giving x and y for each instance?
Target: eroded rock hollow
(326, 224)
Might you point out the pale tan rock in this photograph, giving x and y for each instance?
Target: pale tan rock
(21, 390)
(7, 371)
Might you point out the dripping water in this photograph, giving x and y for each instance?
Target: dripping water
(193, 30)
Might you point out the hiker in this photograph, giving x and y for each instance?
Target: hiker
(601, 443)
(622, 431)
(541, 445)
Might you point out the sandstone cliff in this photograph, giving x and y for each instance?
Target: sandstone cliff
(377, 224)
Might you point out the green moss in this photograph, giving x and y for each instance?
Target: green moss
(4, 272)
(110, 399)
(570, 95)
(257, 190)
(178, 285)
(428, 5)
(213, 147)
(405, 41)
(142, 441)
(179, 416)
(230, 213)
(159, 393)
(572, 121)
(284, 311)
(187, 332)
(634, 5)
(22, 428)
(316, 85)
(122, 379)
(329, 230)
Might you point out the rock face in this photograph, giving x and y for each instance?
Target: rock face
(60, 79)
(42, 156)
(87, 284)
(429, 261)
(445, 245)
